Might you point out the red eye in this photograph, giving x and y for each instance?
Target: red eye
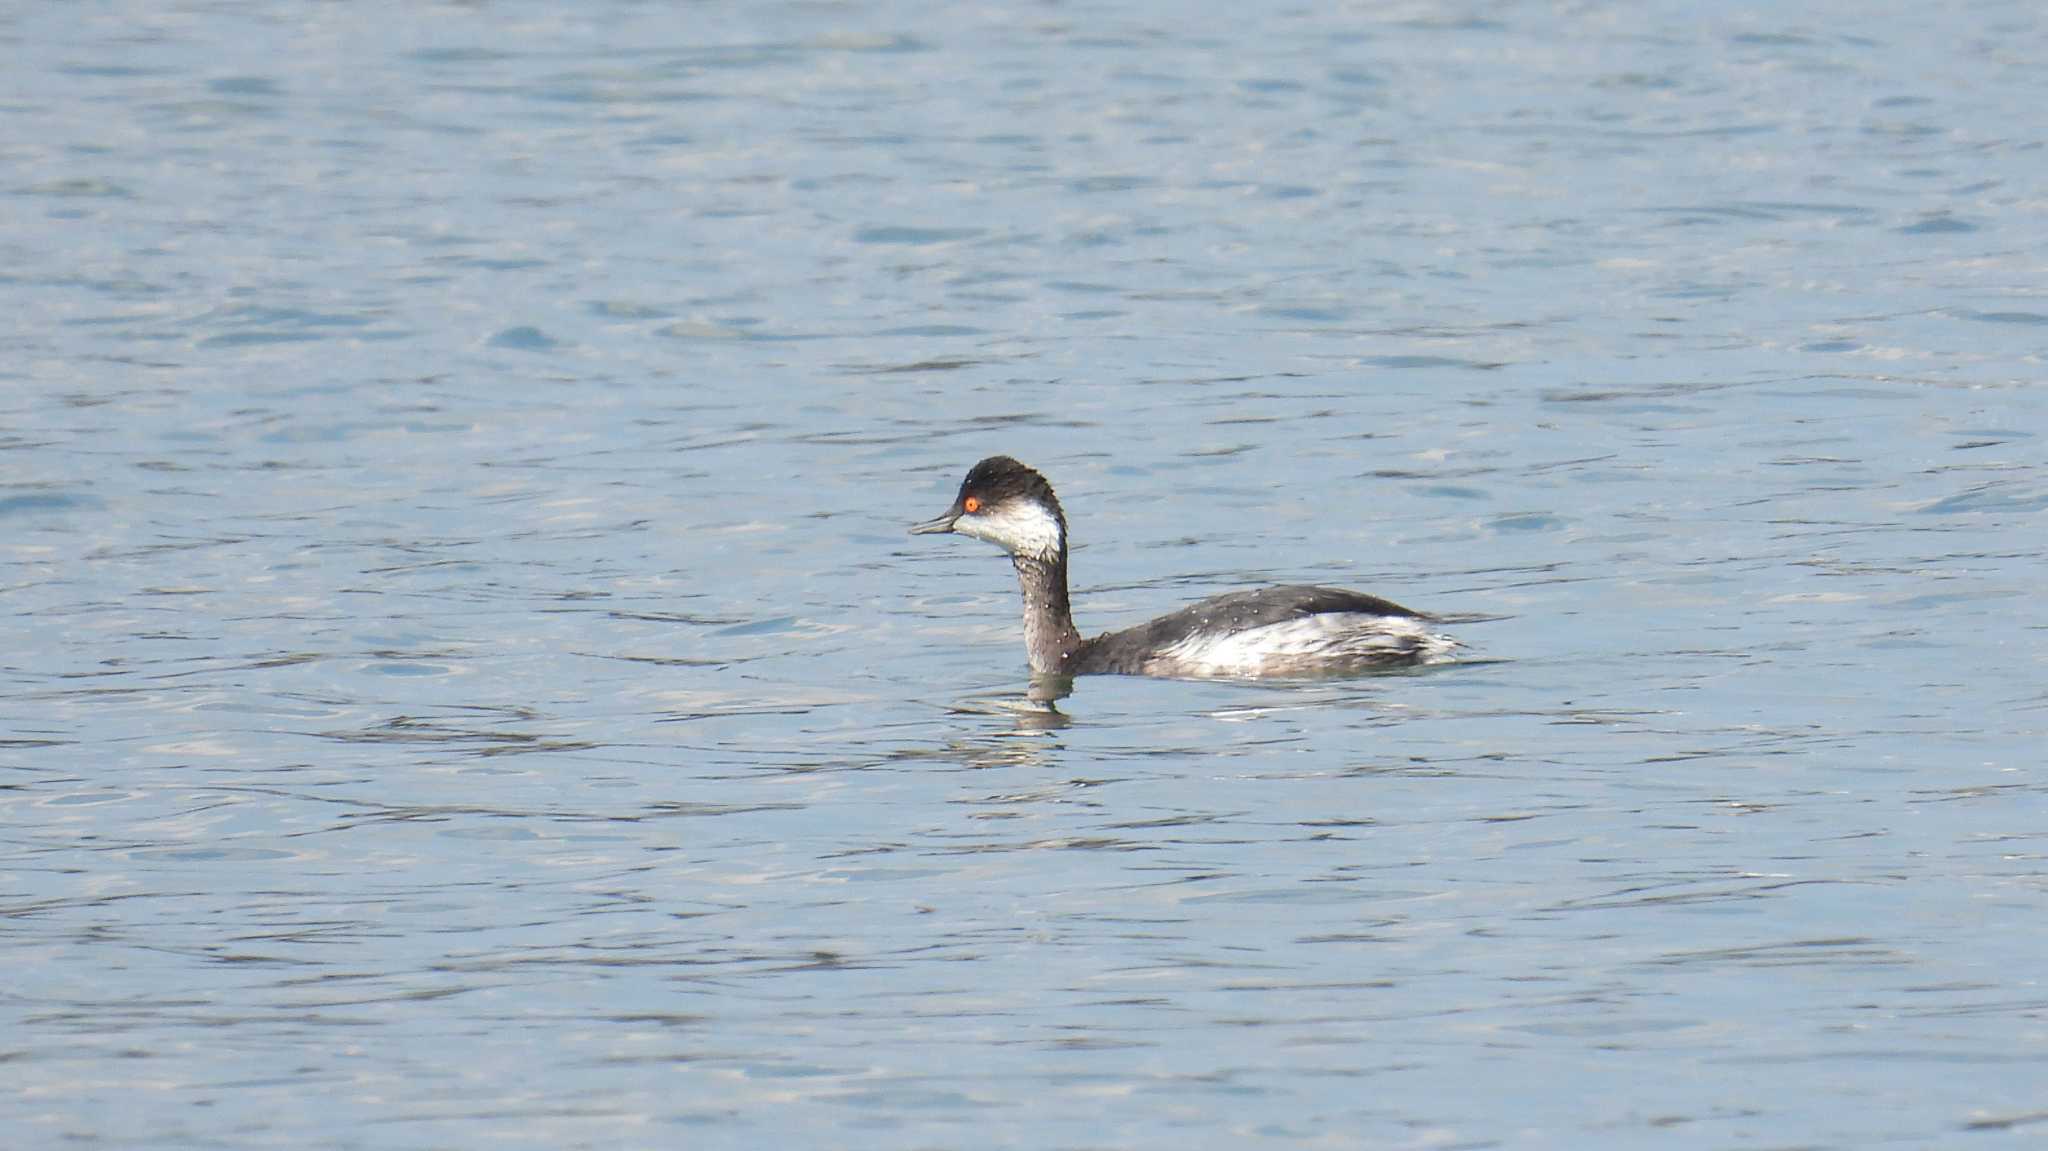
(971, 504)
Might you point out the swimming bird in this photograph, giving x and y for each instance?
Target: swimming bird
(1292, 630)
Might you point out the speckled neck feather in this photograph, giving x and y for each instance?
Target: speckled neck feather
(1049, 635)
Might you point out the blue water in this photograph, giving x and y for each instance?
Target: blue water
(466, 682)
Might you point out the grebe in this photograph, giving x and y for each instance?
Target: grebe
(1291, 630)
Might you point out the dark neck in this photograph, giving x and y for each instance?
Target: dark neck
(1049, 635)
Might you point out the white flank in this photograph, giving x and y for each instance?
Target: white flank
(1321, 642)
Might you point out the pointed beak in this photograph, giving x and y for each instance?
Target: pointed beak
(930, 527)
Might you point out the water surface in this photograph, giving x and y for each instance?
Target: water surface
(467, 682)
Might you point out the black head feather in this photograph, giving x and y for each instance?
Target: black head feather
(1000, 478)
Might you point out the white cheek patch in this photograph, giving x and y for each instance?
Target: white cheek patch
(1020, 527)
